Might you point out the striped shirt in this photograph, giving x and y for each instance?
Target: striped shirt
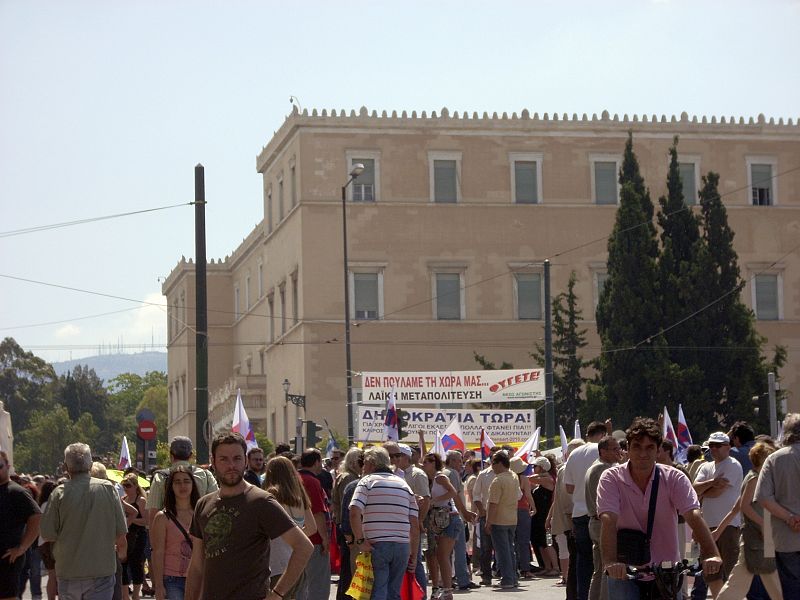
(387, 503)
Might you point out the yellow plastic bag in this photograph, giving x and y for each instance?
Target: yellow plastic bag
(361, 585)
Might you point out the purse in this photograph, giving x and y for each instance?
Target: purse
(439, 518)
(633, 546)
(753, 548)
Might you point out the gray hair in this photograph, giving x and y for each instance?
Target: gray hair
(791, 429)
(78, 458)
(350, 462)
(98, 471)
(377, 457)
(450, 454)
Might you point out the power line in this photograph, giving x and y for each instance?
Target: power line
(35, 229)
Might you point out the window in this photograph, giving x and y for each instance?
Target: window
(529, 295)
(271, 312)
(247, 292)
(364, 184)
(445, 176)
(294, 185)
(604, 181)
(283, 308)
(260, 279)
(688, 173)
(366, 289)
(526, 178)
(448, 296)
(766, 296)
(600, 279)
(295, 300)
(182, 312)
(236, 312)
(761, 184)
(269, 210)
(280, 199)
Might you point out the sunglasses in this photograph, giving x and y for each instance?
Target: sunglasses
(127, 485)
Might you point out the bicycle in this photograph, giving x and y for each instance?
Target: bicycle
(668, 577)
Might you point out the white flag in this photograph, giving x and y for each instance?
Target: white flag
(124, 455)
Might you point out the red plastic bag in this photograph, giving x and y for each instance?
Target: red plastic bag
(411, 590)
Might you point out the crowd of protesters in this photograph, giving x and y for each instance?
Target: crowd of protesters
(252, 525)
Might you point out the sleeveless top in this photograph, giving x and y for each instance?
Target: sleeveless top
(177, 552)
(437, 489)
(280, 551)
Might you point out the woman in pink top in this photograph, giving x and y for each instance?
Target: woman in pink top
(172, 547)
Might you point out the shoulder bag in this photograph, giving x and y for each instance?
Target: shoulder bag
(633, 546)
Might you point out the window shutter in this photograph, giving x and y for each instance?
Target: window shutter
(761, 178)
(444, 181)
(767, 297)
(605, 182)
(365, 287)
(448, 296)
(529, 295)
(687, 178)
(525, 181)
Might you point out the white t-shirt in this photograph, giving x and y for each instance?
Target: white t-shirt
(578, 463)
(715, 509)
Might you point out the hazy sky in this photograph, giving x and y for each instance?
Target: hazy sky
(105, 107)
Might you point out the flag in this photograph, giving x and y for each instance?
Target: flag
(124, 455)
(241, 424)
(391, 423)
(438, 448)
(452, 438)
(486, 445)
(576, 435)
(330, 447)
(529, 447)
(684, 437)
(563, 435)
(668, 431)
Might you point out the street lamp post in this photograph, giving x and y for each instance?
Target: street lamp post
(358, 168)
(298, 401)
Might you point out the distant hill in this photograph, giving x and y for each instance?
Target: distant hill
(108, 366)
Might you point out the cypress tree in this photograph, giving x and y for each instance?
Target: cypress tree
(630, 173)
(632, 361)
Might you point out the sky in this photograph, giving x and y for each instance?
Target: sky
(106, 107)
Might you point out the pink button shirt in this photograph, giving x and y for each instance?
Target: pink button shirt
(619, 494)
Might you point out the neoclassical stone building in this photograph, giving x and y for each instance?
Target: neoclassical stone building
(447, 230)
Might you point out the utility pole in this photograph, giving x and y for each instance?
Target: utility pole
(202, 432)
(773, 407)
(549, 408)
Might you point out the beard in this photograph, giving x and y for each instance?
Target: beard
(231, 479)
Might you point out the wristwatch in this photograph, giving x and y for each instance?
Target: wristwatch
(359, 541)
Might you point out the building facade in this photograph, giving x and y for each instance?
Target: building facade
(448, 227)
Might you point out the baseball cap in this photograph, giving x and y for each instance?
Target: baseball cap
(542, 462)
(405, 449)
(181, 447)
(719, 437)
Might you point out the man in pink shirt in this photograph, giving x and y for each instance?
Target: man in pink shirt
(623, 500)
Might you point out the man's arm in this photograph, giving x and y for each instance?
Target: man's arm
(491, 515)
(194, 576)
(301, 551)
(322, 530)
(122, 547)
(701, 533)
(31, 533)
(413, 534)
(358, 530)
(779, 512)
(608, 546)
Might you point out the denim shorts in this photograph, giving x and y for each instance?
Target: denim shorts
(451, 530)
(175, 587)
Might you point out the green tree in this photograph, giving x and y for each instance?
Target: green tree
(81, 391)
(630, 173)
(154, 399)
(27, 383)
(568, 339)
(264, 442)
(41, 445)
(628, 313)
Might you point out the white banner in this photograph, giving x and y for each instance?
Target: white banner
(514, 426)
(453, 387)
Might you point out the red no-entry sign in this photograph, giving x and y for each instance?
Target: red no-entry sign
(146, 430)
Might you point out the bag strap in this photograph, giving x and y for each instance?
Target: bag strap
(651, 511)
(174, 519)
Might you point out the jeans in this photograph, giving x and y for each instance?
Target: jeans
(584, 562)
(598, 589)
(31, 571)
(174, 587)
(789, 572)
(503, 539)
(623, 589)
(99, 588)
(318, 576)
(523, 540)
(486, 553)
(460, 555)
(389, 563)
